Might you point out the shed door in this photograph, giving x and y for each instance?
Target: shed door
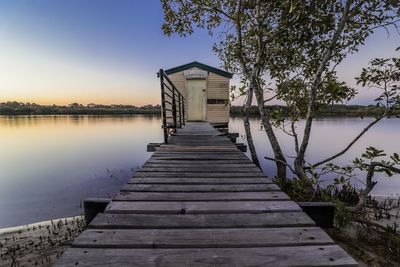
(196, 100)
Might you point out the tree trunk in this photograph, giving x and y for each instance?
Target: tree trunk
(299, 161)
(246, 123)
(279, 157)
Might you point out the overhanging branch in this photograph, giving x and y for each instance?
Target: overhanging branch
(283, 162)
(351, 143)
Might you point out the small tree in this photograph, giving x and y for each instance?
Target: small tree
(296, 43)
(305, 69)
(243, 27)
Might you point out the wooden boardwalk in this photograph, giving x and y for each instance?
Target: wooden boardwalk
(199, 201)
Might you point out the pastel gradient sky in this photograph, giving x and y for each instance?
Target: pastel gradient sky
(108, 51)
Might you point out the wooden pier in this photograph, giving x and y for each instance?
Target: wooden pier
(199, 201)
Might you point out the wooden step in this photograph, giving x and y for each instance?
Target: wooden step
(210, 221)
(188, 174)
(199, 188)
(184, 196)
(202, 238)
(191, 180)
(328, 255)
(209, 207)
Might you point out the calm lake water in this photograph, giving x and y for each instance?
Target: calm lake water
(49, 164)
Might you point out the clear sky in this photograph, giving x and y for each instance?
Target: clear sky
(108, 51)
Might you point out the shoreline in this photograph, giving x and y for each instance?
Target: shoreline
(24, 227)
(38, 244)
(42, 243)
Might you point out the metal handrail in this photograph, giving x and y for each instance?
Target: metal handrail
(176, 101)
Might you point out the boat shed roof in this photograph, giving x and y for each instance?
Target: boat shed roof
(199, 65)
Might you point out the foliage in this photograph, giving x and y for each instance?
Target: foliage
(336, 110)
(307, 80)
(296, 44)
(19, 108)
(342, 192)
(383, 74)
(375, 222)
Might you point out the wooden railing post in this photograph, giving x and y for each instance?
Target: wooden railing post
(183, 110)
(164, 113)
(176, 100)
(180, 111)
(174, 107)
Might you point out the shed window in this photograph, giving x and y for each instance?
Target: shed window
(217, 101)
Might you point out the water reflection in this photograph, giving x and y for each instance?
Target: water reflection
(48, 164)
(329, 136)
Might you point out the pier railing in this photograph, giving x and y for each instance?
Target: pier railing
(173, 105)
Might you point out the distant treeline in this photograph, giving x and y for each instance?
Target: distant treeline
(19, 108)
(329, 110)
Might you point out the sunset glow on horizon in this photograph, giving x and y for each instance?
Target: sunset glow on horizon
(108, 52)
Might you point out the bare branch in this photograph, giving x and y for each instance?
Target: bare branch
(238, 26)
(352, 142)
(271, 98)
(370, 184)
(387, 166)
(282, 162)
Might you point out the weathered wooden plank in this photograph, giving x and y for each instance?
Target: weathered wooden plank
(196, 134)
(211, 166)
(198, 162)
(169, 180)
(194, 149)
(199, 169)
(230, 148)
(179, 196)
(198, 156)
(200, 144)
(198, 152)
(199, 174)
(213, 141)
(180, 136)
(218, 140)
(211, 207)
(204, 141)
(199, 138)
(189, 221)
(199, 188)
(201, 153)
(202, 238)
(329, 255)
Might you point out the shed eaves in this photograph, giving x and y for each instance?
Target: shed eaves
(199, 65)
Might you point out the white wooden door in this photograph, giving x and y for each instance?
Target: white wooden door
(196, 100)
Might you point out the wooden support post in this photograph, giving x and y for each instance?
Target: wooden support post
(94, 206)
(242, 147)
(321, 212)
(233, 136)
(151, 147)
